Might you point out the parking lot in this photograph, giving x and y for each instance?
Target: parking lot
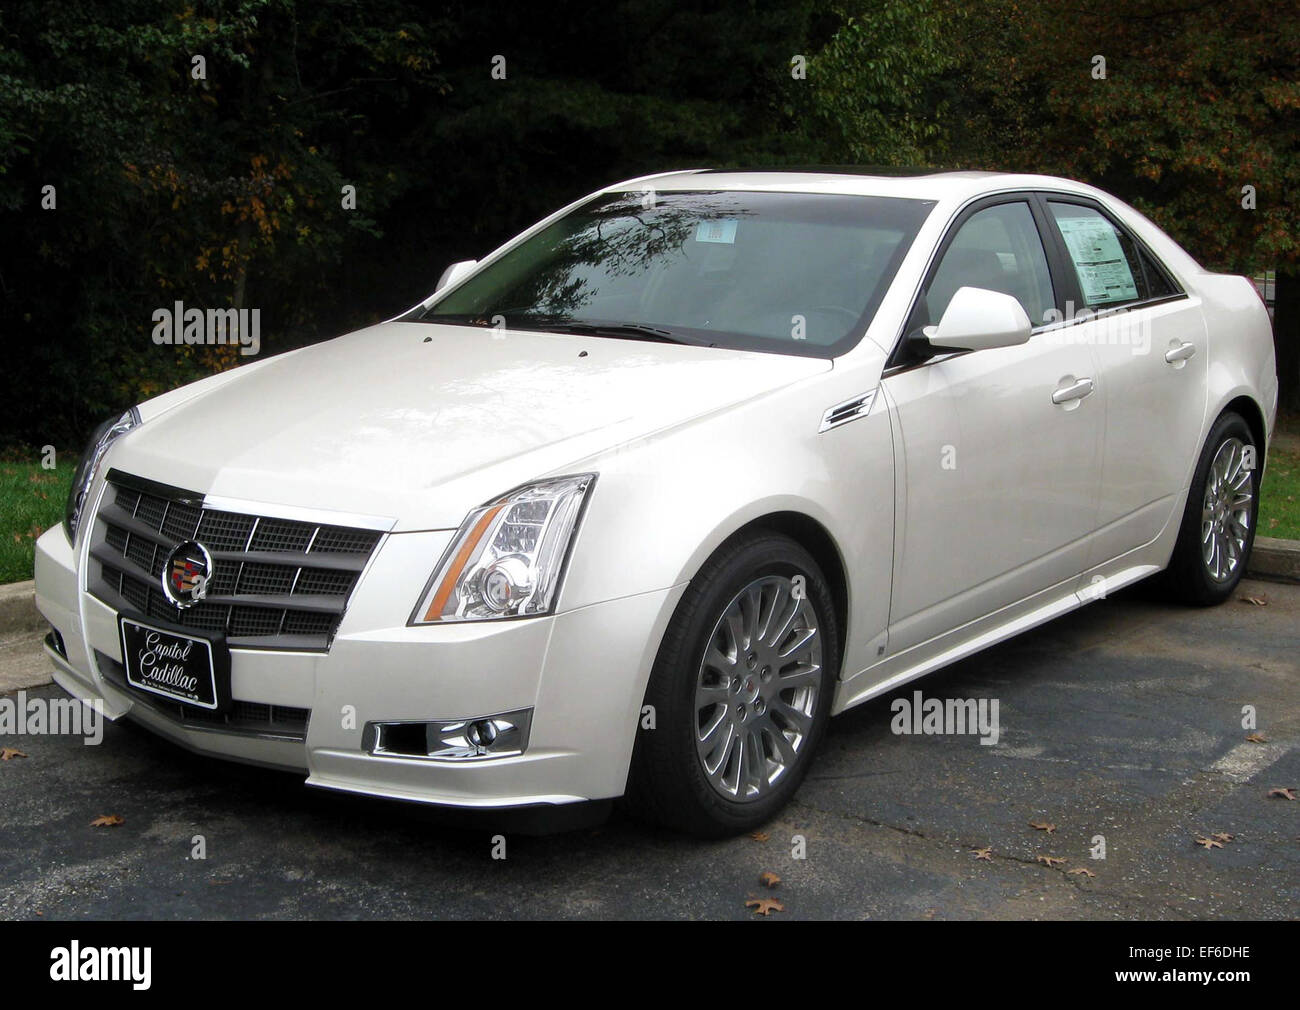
(1123, 720)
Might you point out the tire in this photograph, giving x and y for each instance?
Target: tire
(1190, 578)
(670, 782)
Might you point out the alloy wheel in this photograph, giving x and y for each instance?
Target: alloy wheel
(756, 688)
(1226, 512)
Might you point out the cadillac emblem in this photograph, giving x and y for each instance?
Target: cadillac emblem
(185, 575)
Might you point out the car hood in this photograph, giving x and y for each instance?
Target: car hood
(417, 423)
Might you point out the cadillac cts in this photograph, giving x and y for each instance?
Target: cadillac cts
(633, 505)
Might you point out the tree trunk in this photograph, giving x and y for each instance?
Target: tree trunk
(1286, 335)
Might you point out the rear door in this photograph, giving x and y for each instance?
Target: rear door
(1148, 336)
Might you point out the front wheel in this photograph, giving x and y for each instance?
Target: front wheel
(741, 690)
(1218, 527)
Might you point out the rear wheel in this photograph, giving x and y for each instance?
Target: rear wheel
(741, 691)
(1218, 527)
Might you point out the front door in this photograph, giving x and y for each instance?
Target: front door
(1001, 449)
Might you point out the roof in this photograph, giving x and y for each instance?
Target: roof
(913, 184)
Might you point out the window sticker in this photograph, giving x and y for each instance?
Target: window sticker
(720, 230)
(1099, 261)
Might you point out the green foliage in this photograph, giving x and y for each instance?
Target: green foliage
(226, 191)
(219, 191)
(877, 86)
(1198, 101)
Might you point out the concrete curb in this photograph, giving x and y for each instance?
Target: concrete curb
(1271, 558)
(18, 611)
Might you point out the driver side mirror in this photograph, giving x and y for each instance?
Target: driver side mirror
(977, 319)
(455, 272)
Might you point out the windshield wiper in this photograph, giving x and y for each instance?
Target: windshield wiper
(627, 331)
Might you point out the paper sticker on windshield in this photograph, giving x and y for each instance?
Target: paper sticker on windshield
(722, 230)
(1099, 261)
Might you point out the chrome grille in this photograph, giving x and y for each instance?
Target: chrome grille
(277, 583)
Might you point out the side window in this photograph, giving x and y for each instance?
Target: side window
(1158, 284)
(1111, 268)
(997, 248)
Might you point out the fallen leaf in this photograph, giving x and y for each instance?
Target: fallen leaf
(760, 836)
(1208, 843)
(8, 753)
(1043, 826)
(768, 879)
(1258, 601)
(1223, 836)
(1051, 861)
(1283, 793)
(985, 854)
(1081, 870)
(1257, 738)
(107, 821)
(764, 906)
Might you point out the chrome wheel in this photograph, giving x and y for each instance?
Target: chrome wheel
(1226, 511)
(756, 689)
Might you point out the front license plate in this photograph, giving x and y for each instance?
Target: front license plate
(183, 668)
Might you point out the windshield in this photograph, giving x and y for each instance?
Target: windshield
(795, 273)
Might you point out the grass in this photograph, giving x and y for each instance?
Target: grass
(31, 501)
(1279, 498)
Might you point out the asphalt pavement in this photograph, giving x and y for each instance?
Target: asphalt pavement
(1120, 725)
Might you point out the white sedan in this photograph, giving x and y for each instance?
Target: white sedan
(635, 504)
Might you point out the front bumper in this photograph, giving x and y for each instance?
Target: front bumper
(581, 674)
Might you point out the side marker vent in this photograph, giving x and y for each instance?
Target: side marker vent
(843, 413)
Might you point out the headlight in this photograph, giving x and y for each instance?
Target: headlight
(507, 557)
(105, 435)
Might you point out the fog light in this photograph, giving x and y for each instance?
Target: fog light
(482, 733)
(496, 736)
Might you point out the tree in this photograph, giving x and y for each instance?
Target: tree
(197, 152)
(877, 87)
(1189, 110)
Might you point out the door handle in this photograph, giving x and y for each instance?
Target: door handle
(1180, 353)
(1077, 390)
